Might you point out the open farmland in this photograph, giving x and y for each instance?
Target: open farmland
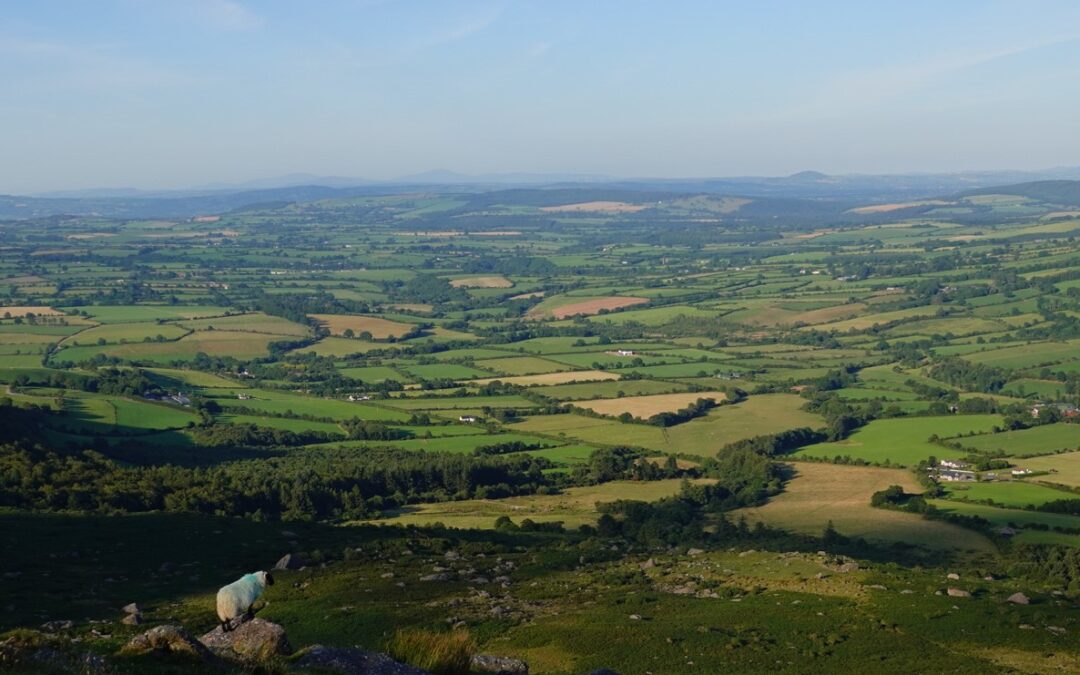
(1062, 469)
(563, 377)
(378, 328)
(823, 493)
(903, 442)
(483, 379)
(1009, 494)
(561, 310)
(647, 406)
(577, 506)
(597, 207)
(23, 310)
(1039, 440)
(482, 282)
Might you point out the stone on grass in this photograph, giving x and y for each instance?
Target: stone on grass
(256, 639)
(498, 665)
(289, 561)
(168, 639)
(1019, 599)
(351, 661)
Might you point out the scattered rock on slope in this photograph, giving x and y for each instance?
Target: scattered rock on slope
(290, 561)
(499, 665)
(167, 639)
(352, 661)
(256, 639)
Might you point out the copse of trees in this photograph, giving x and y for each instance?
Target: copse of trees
(251, 436)
(319, 484)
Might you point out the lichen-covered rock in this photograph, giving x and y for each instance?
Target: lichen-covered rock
(167, 639)
(254, 640)
(352, 661)
(499, 665)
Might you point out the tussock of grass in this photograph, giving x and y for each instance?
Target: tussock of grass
(441, 653)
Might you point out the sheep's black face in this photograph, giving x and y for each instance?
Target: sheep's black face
(269, 579)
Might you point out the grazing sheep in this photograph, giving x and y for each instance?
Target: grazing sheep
(235, 600)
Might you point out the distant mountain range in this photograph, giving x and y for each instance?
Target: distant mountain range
(812, 185)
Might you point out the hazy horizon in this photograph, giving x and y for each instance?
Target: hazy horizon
(155, 95)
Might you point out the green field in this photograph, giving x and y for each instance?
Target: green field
(1010, 494)
(704, 436)
(1040, 440)
(903, 442)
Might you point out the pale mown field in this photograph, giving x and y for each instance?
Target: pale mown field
(647, 406)
(575, 506)
(496, 281)
(564, 377)
(820, 493)
(379, 328)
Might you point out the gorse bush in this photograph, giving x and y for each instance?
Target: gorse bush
(440, 653)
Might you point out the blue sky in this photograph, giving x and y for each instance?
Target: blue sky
(174, 93)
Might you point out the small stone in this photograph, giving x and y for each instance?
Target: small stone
(349, 661)
(132, 619)
(1019, 599)
(1056, 630)
(289, 561)
(635, 617)
(441, 576)
(132, 608)
(498, 665)
(958, 593)
(694, 551)
(953, 576)
(167, 639)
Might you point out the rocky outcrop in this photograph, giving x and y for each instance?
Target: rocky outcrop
(255, 640)
(168, 639)
(351, 661)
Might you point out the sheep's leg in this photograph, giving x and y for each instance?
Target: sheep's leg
(250, 613)
(226, 626)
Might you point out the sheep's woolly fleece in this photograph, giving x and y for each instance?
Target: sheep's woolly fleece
(236, 598)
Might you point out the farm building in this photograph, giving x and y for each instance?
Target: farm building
(952, 464)
(957, 475)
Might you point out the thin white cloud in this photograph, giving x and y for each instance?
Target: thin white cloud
(74, 66)
(539, 48)
(862, 89)
(461, 29)
(228, 15)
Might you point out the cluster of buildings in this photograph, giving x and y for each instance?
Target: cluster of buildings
(1065, 409)
(955, 471)
(179, 398)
